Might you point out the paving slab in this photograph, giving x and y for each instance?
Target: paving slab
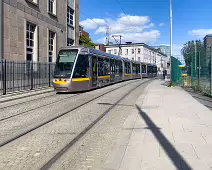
(167, 130)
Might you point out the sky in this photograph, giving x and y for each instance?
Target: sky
(147, 21)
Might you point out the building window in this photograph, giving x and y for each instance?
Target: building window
(115, 51)
(70, 13)
(110, 51)
(133, 51)
(139, 50)
(70, 42)
(30, 41)
(52, 6)
(132, 58)
(51, 45)
(33, 1)
(139, 58)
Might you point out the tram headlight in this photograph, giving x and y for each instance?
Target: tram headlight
(55, 80)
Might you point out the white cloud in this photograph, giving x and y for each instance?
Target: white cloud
(200, 33)
(144, 37)
(133, 20)
(90, 24)
(177, 49)
(161, 24)
(138, 29)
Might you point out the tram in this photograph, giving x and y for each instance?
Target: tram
(81, 68)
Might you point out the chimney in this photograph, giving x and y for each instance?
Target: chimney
(128, 42)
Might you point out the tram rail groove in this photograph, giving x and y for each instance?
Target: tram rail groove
(21, 97)
(58, 101)
(63, 114)
(28, 101)
(73, 141)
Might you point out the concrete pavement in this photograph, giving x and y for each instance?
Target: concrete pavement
(168, 129)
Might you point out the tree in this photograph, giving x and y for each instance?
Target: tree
(188, 52)
(86, 41)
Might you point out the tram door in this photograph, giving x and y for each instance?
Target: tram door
(112, 70)
(94, 71)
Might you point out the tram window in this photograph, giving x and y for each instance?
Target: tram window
(149, 69)
(112, 65)
(134, 68)
(117, 66)
(127, 68)
(138, 68)
(106, 66)
(101, 71)
(121, 67)
(143, 68)
(82, 67)
(65, 62)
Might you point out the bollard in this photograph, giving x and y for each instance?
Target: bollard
(49, 75)
(4, 72)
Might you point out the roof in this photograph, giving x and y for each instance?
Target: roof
(208, 36)
(135, 44)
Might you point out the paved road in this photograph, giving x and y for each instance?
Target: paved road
(133, 125)
(39, 134)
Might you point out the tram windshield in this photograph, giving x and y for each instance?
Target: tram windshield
(65, 63)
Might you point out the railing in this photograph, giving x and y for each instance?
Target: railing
(18, 76)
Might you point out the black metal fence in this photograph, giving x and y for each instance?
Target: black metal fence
(18, 76)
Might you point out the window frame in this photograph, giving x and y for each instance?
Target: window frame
(53, 9)
(34, 2)
(68, 43)
(70, 16)
(30, 38)
(139, 50)
(52, 49)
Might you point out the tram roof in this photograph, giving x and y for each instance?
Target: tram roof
(92, 51)
(101, 53)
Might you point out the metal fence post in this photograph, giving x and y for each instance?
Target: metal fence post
(4, 72)
(49, 74)
(31, 76)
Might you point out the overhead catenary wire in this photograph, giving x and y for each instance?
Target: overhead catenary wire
(124, 12)
(90, 19)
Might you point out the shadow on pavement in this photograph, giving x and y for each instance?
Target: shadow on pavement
(117, 104)
(173, 154)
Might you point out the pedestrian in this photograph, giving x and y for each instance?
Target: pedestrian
(163, 74)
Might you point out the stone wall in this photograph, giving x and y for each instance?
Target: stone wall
(17, 13)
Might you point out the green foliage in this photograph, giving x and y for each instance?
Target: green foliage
(188, 52)
(86, 41)
(172, 84)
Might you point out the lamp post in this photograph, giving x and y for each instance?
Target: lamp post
(171, 50)
(1, 30)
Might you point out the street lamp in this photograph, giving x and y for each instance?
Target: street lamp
(171, 52)
(1, 30)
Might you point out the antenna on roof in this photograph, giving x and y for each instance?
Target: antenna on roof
(107, 35)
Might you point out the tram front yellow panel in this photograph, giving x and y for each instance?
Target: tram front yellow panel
(60, 82)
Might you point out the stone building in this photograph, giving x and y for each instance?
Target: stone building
(33, 30)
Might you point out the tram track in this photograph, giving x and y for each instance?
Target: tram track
(81, 134)
(22, 97)
(36, 108)
(64, 113)
(16, 104)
